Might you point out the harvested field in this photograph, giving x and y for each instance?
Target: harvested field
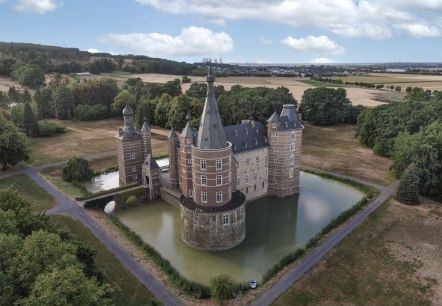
(5, 83)
(84, 139)
(334, 148)
(393, 258)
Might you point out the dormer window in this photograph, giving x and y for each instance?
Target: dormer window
(247, 131)
(286, 124)
(274, 125)
(235, 132)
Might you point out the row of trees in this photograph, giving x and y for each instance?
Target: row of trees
(409, 132)
(40, 265)
(360, 84)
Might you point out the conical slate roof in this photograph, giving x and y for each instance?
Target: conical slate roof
(173, 134)
(211, 133)
(188, 131)
(274, 118)
(151, 162)
(128, 111)
(145, 128)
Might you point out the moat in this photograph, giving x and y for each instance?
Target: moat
(275, 227)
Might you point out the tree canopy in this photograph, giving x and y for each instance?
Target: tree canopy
(77, 170)
(12, 144)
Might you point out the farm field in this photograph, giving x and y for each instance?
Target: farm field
(334, 148)
(5, 83)
(393, 258)
(83, 138)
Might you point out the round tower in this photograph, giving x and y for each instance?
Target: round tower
(173, 159)
(214, 217)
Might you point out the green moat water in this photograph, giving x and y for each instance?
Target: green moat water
(275, 227)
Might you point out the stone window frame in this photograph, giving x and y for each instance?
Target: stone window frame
(203, 197)
(189, 161)
(293, 135)
(292, 158)
(203, 180)
(246, 180)
(238, 181)
(292, 147)
(203, 164)
(291, 173)
(255, 176)
(190, 193)
(257, 159)
(132, 155)
(188, 140)
(226, 219)
(266, 173)
(247, 161)
(219, 164)
(219, 197)
(134, 168)
(219, 180)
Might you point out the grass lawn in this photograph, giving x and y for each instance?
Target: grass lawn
(127, 289)
(319, 84)
(54, 176)
(393, 258)
(82, 138)
(334, 148)
(41, 200)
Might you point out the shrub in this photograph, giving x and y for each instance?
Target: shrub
(77, 169)
(408, 190)
(222, 287)
(49, 129)
(125, 195)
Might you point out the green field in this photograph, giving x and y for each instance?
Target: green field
(319, 84)
(382, 79)
(41, 200)
(127, 289)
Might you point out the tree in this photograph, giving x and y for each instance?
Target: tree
(162, 109)
(120, 102)
(324, 106)
(408, 190)
(29, 75)
(44, 103)
(186, 79)
(26, 96)
(222, 287)
(30, 124)
(63, 102)
(197, 90)
(179, 108)
(144, 110)
(398, 88)
(86, 112)
(173, 88)
(12, 144)
(408, 89)
(13, 94)
(77, 170)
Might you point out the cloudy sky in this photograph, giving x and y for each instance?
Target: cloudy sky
(260, 31)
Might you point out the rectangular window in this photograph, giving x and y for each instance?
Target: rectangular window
(191, 193)
(293, 135)
(290, 173)
(257, 159)
(276, 134)
(226, 219)
(247, 189)
(134, 169)
(189, 161)
(188, 140)
(275, 160)
(132, 155)
(203, 197)
(238, 181)
(219, 164)
(292, 158)
(254, 187)
(219, 197)
(266, 160)
(203, 164)
(219, 180)
(247, 179)
(247, 161)
(292, 147)
(255, 176)
(203, 180)
(266, 173)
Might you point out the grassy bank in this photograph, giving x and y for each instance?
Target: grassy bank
(391, 259)
(127, 289)
(41, 200)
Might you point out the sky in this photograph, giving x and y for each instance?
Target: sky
(238, 31)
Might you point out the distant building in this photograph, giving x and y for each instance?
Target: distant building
(214, 171)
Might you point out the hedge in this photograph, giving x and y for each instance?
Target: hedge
(104, 192)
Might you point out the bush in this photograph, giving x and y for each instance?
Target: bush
(125, 195)
(77, 170)
(408, 190)
(222, 287)
(49, 129)
(86, 112)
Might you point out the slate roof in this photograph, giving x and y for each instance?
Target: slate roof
(211, 133)
(128, 111)
(288, 119)
(173, 134)
(244, 137)
(151, 162)
(189, 131)
(145, 127)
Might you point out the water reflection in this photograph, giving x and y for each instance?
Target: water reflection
(274, 227)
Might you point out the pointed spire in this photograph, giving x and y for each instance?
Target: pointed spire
(172, 134)
(211, 133)
(188, 117)
(128, 111)
(274, 118)
(145, 128)
(188, 131)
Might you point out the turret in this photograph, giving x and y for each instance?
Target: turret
(187, 139)
(173, 159)
(147, 138)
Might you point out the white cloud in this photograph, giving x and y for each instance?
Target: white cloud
(321, 60)
(36, 6)
(313, 44)
(93, 50)
(192, 41)
(377, 19)
(265, 41)
(419, 30)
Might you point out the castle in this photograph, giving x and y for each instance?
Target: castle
(214, 171)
